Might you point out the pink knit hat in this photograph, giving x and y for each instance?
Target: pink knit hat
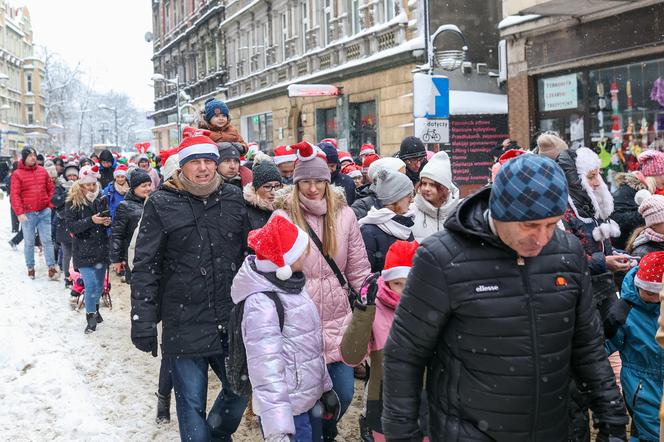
(652, 210)
(652, 163)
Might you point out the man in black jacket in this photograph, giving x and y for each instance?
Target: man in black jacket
(107, 167)
(498, 309)
(190, 244)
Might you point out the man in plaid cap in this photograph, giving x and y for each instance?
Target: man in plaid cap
(498, 309)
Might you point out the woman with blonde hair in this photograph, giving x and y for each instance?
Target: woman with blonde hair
(87, 218)
(321, 210)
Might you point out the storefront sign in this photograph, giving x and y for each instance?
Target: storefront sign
(472, 138)
(313, 90)
(560, 93)
(432, 131)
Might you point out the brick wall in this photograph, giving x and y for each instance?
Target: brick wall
(521, 101)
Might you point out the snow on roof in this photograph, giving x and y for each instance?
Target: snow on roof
(477, 103)
(514, 20)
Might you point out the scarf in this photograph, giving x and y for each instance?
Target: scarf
(384, 220)
(314, 207)
(199, 190)
(646, 236)
(386, 296)
(91, 196)
(441, 213)
(121, 189)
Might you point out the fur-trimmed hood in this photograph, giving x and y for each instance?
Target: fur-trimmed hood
(252, 198)
(283, 197)
(629, 179)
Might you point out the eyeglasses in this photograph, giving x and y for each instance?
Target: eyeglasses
(272, 188)
(411, 161)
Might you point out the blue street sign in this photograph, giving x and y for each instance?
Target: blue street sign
(431, 96)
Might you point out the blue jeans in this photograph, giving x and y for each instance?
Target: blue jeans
(343, 383)
(93, 280)
(190, 381)
(37, 222)
(309, 426)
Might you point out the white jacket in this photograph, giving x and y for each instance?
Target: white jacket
(428, 219)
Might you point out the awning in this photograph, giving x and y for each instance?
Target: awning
(574, 8)
(477, 103)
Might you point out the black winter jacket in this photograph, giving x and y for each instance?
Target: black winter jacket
(90, 240)
(58, 200)
(346, 183)
(188, 252)
(366, 199)
(625, 210)
(378, 242)
(127, 215)
(258, 212)
(499, 337)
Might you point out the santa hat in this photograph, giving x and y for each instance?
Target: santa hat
(306, 151)
(651, 270)
(368, 160)
(89, 174)
(332, 141)
(120, 170)
(278, 245)
(197, 144)
(345, 157)
(284, 154)
(399, 260)
(367, 149)
(352, 170)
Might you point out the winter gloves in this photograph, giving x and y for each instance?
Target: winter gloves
(612, 433)
(331, 406)
(147, 344)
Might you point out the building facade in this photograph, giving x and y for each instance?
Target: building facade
(22, 103)
(586, 70)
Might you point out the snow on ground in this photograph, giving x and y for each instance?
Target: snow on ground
(58, 384)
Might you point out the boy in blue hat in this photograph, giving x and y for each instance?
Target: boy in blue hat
(218, 119)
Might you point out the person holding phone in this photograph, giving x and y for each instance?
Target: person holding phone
(87, 223)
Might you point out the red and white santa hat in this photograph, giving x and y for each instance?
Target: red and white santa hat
(278, 245)
(120, 170)
(345, 157)
(352, 170)
(284, 154)
(399, 260)
(651, 270)
(332, 141)
(89, 174)
(197, 144)
(306, 151)
(367, 149)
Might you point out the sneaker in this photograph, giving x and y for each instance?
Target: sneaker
(31, 273)
(12, 245)
(53, 273)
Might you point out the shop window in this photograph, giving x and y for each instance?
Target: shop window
(362, 125)
(259, 130)
(326, 123)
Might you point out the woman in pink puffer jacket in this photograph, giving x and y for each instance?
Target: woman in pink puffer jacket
(312, 201)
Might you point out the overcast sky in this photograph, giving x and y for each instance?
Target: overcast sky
(105, 36)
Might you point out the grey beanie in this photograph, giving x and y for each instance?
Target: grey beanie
(392, 186)
(228, 151)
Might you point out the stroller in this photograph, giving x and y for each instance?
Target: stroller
(77, 294)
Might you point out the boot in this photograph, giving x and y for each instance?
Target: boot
(53, 273)
(31, 273)
(99, 318)
(92, 323)
(366, 435)
(163, 408)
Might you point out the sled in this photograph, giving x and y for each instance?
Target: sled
(106, 294)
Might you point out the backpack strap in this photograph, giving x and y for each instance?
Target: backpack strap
(280, 307)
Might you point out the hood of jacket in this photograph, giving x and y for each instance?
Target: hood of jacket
(582, 203)
(249, 281)
(630, 293)
(252, 198)
(282, 199)
(22, 165)
(443, 211)
(470, 218)
(629, 179)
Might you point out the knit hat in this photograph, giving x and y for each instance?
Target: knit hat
(195, 145)
(439, 169)
(70, 169)
(137, 177)
(26, 152)
(649, 275)
(332, 141)
(652, 163)
(550, 145)
(89, 174)
(310, 165)
(213, 107)
(278, 245)
(368, 161)
(352, 170)
(171, 166)
(651, 207)
(120, 170)
(399, 260)
(412, 147)
(284, 154)
(528, 188)
(392, 186)
(229, 151)
(50, 168)
(106, 155)
(330, 152)
(345, 156)
(264, 171)
(389, 163)
(367, 149)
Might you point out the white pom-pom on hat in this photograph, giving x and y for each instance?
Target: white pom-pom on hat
(641, 196)
(284, 273)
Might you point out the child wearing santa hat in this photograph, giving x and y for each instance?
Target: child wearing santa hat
(282, 334)
(368, 331)
(642, 358)
(116, 190)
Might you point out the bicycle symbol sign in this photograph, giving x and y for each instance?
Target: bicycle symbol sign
(432, 131)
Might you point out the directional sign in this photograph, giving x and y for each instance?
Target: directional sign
(432, 131)
(431, 96)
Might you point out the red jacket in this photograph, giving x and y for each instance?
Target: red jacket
(31, 189)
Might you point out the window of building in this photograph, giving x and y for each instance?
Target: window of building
(327, 11)
(31, 116)
(354, 16)
(167, 16)
(284, 36)
(326, 123)
(175, 13)
(389, 9)
(363, 125)
(304, 11)
(182, 9)
(259, 130)
(28, 81)
(267, 42)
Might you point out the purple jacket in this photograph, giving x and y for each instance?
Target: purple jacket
(286, 368)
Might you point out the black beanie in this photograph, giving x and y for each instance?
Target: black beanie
(228, 151)
(106, 155)
(27, 151)
(137, 177)
(264, 172)
(411, 147)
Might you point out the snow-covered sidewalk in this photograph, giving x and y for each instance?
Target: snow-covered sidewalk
(58, 384)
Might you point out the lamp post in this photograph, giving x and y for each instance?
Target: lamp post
(115, 113)
(176, 82)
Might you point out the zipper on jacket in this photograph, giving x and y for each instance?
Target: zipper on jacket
(521, 262)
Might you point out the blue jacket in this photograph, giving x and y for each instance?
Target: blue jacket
(642, 361)
(114, 197)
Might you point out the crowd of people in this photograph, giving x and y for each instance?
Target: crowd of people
(507, 315)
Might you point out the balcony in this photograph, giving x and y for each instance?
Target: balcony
(561, 7)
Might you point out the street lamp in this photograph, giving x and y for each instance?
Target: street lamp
(115, 113)
(450, 59)
(176, 82)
